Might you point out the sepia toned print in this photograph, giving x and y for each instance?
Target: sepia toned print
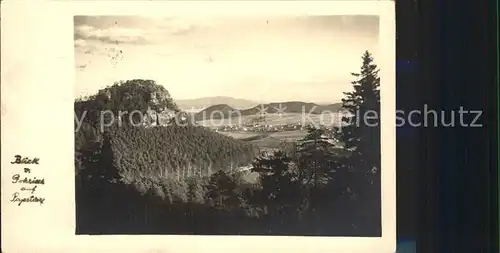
(227, 126)
(198, 126)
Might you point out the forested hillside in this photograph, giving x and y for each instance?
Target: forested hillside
(173, 150)
(126, 166)
(157, 152)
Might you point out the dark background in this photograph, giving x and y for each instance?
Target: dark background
(407, 99)
(447, 177)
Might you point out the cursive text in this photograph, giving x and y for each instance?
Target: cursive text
(25, 160)
(17, 179)
(30, 199)
(32, 190)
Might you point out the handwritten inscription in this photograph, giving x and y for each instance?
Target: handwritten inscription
(30, 184)
(16, 179)
(30, 199)
(32, 189)
(25, 160)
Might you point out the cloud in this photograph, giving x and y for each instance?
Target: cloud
(178, 27)
(286, 58)
(130, 30)
(87, 47)
(80, 43)
(183, 30)
(111, 35)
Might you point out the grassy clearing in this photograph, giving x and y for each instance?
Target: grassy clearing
(274, 119)
(288, 135)
(267, 140)
(242, 135)
(267, 143)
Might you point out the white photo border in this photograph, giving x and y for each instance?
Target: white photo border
(37, 94)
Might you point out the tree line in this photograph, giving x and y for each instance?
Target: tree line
(305, 188)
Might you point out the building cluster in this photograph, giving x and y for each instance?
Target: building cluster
(261, 128)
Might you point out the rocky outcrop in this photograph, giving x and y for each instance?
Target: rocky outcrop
(153, 101)
(162, 118)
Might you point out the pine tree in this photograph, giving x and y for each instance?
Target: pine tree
(315, 151)
(221, 190)
(281, 189)
(195, 190)
(361, 135)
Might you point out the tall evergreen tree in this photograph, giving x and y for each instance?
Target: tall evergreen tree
(222, 191)
(315, 152)
(361, 136)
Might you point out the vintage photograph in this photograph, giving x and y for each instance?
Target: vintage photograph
(227, 125)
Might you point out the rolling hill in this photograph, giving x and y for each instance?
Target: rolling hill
(199, 104)
(272, 108)
(292, 107)
(216, 112)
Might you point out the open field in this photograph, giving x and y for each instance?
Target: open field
(275, 119)
(285, 135)
(243, 135)
(267, 140)
(288, 135)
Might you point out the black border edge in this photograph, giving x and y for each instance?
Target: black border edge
(458, 193)
(407, 139)
(427, 237)
(491, 49)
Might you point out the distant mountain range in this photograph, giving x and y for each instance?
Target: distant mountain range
(224, 110)
(248, 107)
(199, 104)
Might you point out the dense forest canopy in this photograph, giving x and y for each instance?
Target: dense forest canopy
(172, 150)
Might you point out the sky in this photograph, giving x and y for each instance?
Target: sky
(302, 58)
